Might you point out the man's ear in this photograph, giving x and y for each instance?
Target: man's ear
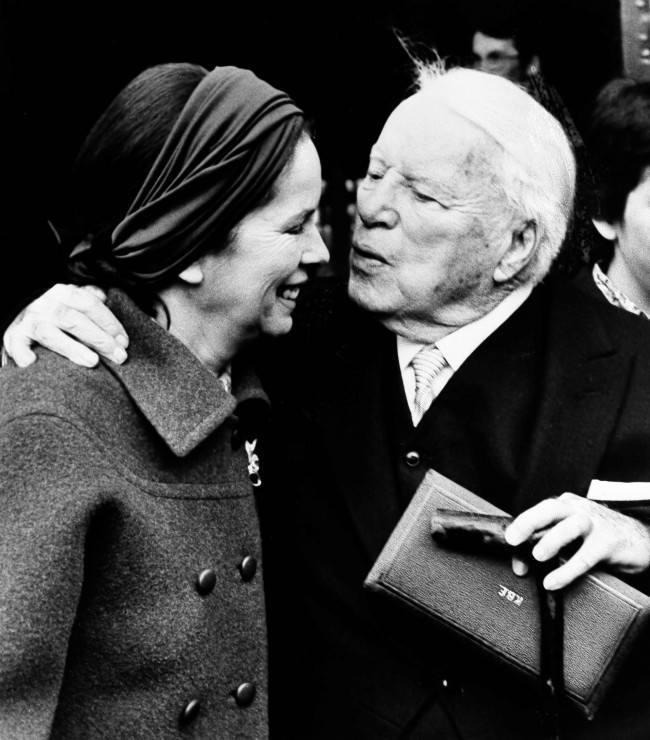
(605, 229)
(519, 253)
(193, 275)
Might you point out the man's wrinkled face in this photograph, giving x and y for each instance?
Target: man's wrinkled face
(430, 225)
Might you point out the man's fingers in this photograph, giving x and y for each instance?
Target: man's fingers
(96, 291)
(520, 566)
(538, 517)
(90, 304)
(20, 352)
(580, 563)
(59, 342)
(86, 331)
(562, 534)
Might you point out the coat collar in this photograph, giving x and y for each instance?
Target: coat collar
(180, 397)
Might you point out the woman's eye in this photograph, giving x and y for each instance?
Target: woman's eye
(298, 229)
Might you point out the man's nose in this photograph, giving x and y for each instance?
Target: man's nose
(316, 252)
(375, 203)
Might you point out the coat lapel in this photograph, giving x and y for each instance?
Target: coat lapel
(583, 387)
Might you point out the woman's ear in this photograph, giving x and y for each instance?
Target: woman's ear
(193, 275)
(520, 252)
(605, 229)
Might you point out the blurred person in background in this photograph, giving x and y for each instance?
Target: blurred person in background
(505, 43)
(619, 143)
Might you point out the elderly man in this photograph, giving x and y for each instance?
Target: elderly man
(453, 354)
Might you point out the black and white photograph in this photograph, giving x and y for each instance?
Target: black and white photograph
(325, 380)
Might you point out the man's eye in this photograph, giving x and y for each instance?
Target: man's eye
(373, 175)
(424, 197)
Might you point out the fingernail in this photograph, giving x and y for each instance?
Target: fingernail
(122, 340)
(550, 583)
(87, 361)
(512, 537)
(519, 569)
(119, 356)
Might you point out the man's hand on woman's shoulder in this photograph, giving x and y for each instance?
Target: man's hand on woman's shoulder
(71, 321)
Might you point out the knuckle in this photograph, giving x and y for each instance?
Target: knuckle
(59, 291)
(84, 300)
(582, 522)
(586, 561)
(61, 317)
(39, 332)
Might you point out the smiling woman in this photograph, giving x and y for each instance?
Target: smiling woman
(131, 588)
(255, 280)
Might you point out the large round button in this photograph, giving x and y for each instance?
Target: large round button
(190, 711)
(206, 581)
(244, 694)
(248, 568)
(412, 458)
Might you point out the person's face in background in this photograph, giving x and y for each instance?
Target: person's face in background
(253, 283)
(497, 56)
(632, 234)
(426, 241)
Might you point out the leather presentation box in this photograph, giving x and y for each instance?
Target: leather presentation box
(479, 597)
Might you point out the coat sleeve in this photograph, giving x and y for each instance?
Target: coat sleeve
(42, 526)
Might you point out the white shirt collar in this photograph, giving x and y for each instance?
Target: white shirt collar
(459, 345)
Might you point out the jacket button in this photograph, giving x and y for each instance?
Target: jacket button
(244, 694)
(248, 568)
(412, 458)
(206, 581)
(190, 711)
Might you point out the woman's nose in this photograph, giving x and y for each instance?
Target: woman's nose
(316, 252)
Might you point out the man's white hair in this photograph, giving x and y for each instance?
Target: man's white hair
(538, 167)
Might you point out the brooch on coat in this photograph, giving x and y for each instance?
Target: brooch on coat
(253, 463)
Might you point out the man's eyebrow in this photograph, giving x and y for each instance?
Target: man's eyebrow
(428, 181)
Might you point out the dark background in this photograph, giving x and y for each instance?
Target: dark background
(62, 63)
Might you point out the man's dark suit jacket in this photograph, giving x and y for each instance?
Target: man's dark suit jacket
(557, 396)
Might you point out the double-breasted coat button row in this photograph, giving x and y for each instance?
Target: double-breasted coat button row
(207, 578)
(244, 696)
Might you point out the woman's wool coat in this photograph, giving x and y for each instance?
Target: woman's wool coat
(131, 594)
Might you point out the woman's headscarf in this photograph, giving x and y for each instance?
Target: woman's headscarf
(230, 142)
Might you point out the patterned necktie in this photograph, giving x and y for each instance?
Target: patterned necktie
(427, 364)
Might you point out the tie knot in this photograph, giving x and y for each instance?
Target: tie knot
(428, 362)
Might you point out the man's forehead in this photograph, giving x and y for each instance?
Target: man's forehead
(423, 128)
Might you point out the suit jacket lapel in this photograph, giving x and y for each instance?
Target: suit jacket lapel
(582, 391)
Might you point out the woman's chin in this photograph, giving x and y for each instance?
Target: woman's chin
(277, 325)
